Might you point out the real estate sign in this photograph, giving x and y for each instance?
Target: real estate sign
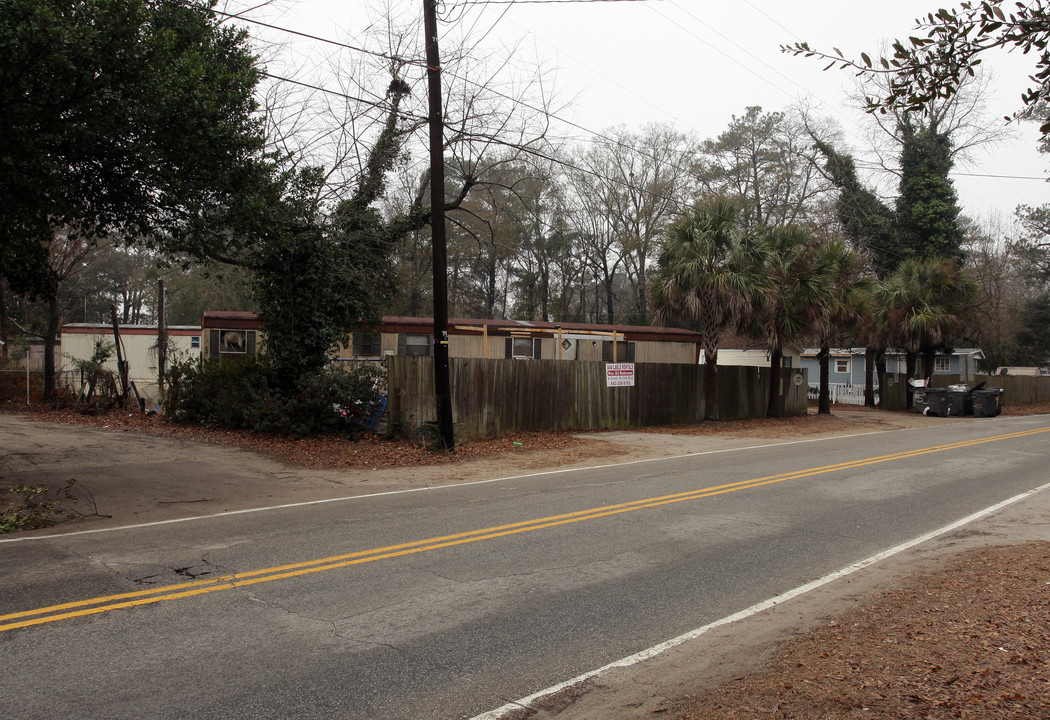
(619, 374)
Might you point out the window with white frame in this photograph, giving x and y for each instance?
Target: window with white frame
(942, 364)
(521, 347)
(414, 344)
(842, 365)
(195, 342)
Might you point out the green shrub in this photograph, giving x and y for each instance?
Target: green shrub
(245, 395)
(219, 394)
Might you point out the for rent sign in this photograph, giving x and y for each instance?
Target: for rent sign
(619, 374)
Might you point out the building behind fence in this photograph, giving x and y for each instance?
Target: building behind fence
(495, 397)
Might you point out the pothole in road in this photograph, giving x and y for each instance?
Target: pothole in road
(193, 572)
(164, 576)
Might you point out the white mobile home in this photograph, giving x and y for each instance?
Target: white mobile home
(138, 347)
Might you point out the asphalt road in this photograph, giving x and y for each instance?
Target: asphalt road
(446, 603)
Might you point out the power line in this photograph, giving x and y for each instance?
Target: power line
(876, 166)
(385, 56)
(544, 2)
(531, 151)
(376, 105)
(570, 123)
(1002, 177)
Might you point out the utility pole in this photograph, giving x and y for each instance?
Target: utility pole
(442, 382)
(162, 339)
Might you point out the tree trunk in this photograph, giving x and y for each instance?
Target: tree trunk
(4, 333)
(775, 407)
(712, 409)
(927, 362)
(162, 340)
(490, 292)
(869, 377)
(909, 371)
(880, 368)
(54, 320)
(545, 290)
(824, 358)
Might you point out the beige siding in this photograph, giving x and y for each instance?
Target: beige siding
(665, 352)
(140, 350)
(587, 348)
(473, 346)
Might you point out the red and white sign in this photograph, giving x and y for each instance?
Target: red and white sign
(619, 374)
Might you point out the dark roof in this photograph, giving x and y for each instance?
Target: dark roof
(505, 327)
(104, 328)
(470, 326)
(230, 315)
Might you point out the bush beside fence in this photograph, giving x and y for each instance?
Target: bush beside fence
(494, 397)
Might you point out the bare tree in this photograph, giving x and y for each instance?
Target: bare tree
(963, 117)
(630, 186)
(768, 160)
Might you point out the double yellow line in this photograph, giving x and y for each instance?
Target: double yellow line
(108, 603)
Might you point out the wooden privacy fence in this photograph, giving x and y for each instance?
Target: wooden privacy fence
(494, 397)
(1017, 389)
(893, 391)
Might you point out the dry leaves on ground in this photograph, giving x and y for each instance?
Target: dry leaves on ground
(373, 451)
(969, 641)
(319, 453)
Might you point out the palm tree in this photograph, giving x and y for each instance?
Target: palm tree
(920, 306)
(708, 271)
(796, 300)
(848, 305)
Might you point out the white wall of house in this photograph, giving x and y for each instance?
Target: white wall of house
(139, 346)
(753, 358)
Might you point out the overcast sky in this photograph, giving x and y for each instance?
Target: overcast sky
(697, 63)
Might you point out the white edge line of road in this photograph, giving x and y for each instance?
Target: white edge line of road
(525, 703)
(346, 498)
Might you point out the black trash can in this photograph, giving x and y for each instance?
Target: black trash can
(960, 402)
(987, 402)
(936, 402)
(918, 400)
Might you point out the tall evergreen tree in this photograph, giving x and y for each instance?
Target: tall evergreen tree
(927, 219)
(868, 222)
